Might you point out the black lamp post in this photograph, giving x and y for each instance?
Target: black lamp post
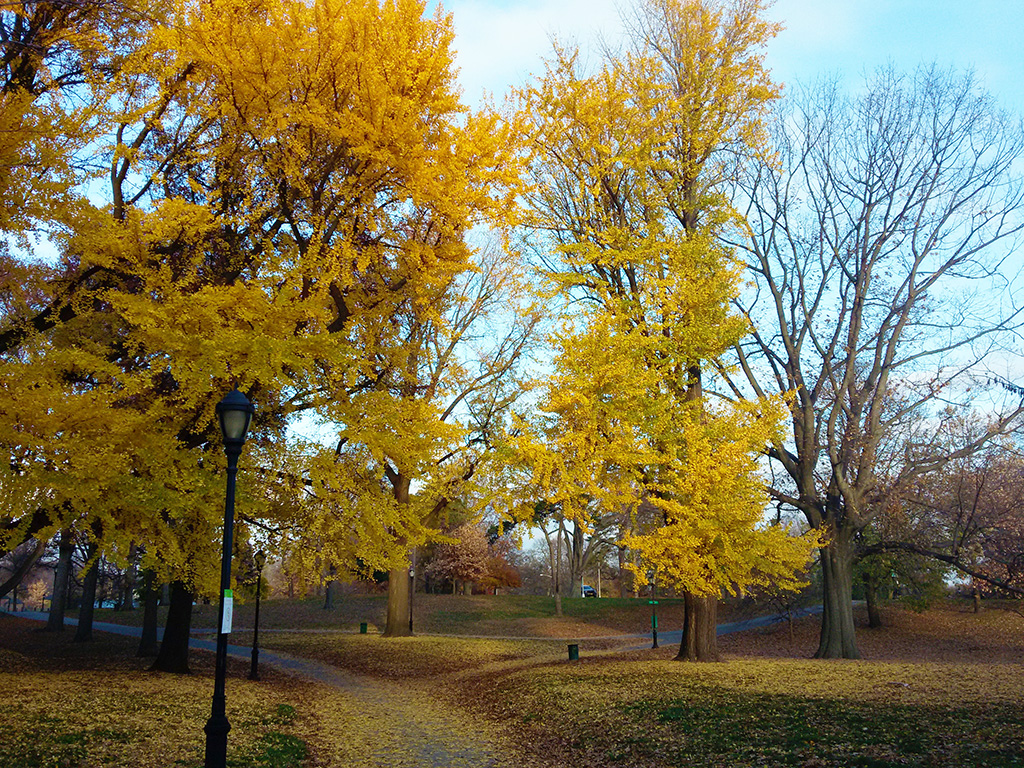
(254, 670)
(412, 588)
(234, 413)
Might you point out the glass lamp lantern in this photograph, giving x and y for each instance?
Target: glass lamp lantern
(234, 413)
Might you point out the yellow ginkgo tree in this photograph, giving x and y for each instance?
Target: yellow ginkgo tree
(272, 191)
(628, 207)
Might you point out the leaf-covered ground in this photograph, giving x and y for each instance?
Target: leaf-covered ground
(934, 689)
(409, 657)
(68, 705)
(938, 689)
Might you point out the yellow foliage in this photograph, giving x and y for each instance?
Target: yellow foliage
(712, 535)
(288, 188)
(628, 168)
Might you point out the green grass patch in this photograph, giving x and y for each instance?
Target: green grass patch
(712, 724)
(272, 750)
(497, 615)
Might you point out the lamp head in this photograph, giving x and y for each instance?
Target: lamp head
(234, 413)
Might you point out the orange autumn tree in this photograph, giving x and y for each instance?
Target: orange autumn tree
(628, 203)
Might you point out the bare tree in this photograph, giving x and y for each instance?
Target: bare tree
(877, 237)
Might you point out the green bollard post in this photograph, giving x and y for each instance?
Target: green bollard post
(362, 628)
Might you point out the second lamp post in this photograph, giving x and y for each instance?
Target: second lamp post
(254, 665)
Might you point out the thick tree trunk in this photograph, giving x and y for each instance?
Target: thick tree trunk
(557, 573)
(398, 603)
(59, 601)
(148, 645)
(700, 629)
(871, 598)
(173, 655)
(838, 640)
(83, 632)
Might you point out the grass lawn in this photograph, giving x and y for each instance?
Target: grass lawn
(939, 689)
(757, 712)
(411, 658)
(491, 615)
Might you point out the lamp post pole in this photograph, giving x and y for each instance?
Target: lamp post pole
(254, 669)
(412, 586)
(654, 623)
(234, 413)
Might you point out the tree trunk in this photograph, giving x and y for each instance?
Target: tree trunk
(558, 569)
(22, 568)
(83, 633)
(59, 601)
(173, 655)
(126, 599)
(622, 572)
(700, 629)
(871, 598)
(977, 599)
(329, 596)
(398, 603)
(148, 645)
(398, 578)
(838, 640)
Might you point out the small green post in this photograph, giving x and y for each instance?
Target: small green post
(574, 652)
(362, 628)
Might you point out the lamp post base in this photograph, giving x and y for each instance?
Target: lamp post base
(217, 728)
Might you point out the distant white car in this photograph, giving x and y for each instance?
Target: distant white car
(589, 591)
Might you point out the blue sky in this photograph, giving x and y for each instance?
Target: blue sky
(500, 43)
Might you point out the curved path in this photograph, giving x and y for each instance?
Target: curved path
(409, 735)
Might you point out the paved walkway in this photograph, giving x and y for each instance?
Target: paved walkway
(676, 636)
